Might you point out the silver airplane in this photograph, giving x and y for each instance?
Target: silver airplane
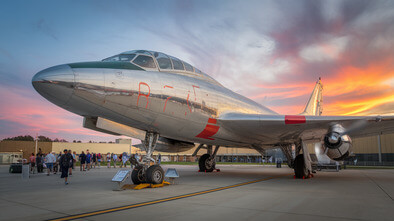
(170, 105)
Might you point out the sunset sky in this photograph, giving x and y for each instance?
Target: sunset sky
(270, 51)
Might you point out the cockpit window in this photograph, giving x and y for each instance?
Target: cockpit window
(163, 60)
(113, 58)
(177, 63)
(188, 67)
(126, 57)
(143, 52)
(197, 71)
(138, 52)
(145, 61)
(121, 57)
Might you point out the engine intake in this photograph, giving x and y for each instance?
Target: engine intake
(337, 145)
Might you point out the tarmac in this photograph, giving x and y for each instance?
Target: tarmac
(238, 192)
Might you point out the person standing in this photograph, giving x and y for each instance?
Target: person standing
(70, 169)
(65, 160)
(124, 159)
(99, 159)
(58, 167)
(56, 163)
(32, 160)
(74, 159)
(115, 158)
(39, 163)
(94, 157)
(43, 165)
(108, 160)
(88, 159)
(82, 159)
(50, 159)
(159, 158)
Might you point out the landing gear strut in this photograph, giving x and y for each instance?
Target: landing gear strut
(146, 172)
(207, 161)
(302, 163)
(288, 152)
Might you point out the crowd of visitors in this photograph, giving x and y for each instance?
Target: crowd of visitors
(65, 162)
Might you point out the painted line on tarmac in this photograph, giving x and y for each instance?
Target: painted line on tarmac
(116, 209)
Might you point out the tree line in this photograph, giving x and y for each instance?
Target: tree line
(30, 138)
(47, 139)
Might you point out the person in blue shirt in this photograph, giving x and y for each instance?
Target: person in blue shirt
(88, 159)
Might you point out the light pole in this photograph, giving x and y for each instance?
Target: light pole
(35, 152)
(131, 142)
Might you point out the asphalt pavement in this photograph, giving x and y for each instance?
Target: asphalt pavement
(238, 192)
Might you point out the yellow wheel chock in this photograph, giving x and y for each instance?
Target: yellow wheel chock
(150, 185)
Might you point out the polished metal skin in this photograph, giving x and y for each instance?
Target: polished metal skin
(180, 105)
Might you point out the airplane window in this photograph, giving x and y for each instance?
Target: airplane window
(177, 64)
(145, 61)
(142, 52)
(188, 67)
(113, 58)
(121, 57)
(163, 60)
(197, 71)
(126, 57)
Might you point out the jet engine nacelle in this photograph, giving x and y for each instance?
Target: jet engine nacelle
(337, 144)
(169, 145)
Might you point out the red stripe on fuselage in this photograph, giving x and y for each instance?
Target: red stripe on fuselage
(295, 119)
(211, 121)
(209, 130)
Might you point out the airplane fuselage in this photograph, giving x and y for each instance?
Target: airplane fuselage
(177, 105)
(174, 105)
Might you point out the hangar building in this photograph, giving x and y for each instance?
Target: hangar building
(374, 150)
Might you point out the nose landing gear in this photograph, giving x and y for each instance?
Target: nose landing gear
(148, 171)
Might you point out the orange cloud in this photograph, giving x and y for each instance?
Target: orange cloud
(39, 115)
(355, 90)
(349, 90)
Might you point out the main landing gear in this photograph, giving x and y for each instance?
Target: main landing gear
(302, 163)
(207, 162)
(148, 171)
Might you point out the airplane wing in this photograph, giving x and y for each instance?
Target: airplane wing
(290, 128)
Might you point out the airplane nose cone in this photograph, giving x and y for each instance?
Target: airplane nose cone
(55, 84)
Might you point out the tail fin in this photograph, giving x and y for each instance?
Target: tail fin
(315, 103)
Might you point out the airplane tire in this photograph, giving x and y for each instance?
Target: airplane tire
(299, 167)
(155, 174)
(204, 163)
(137, 175)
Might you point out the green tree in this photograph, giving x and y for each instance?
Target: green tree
(21, 138)
(44, 139)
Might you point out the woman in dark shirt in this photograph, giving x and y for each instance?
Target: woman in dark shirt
(65, 160)
(82, 159)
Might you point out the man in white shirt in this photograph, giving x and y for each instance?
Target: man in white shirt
(50, 159)
(124, 160)
(108, 160)
(115, 158)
